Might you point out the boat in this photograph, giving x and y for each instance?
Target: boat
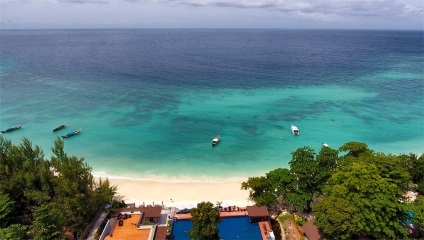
(72, 133)
(60, 127)
(12, 129)
(294, 130)
(325, 144)
(215, 140)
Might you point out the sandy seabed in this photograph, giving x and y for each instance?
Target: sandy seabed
(181, 194)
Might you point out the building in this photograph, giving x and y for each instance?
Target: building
(144, 223)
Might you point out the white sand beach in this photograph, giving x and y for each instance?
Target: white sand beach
(179, 194)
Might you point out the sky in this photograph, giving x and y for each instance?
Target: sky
(285, 14)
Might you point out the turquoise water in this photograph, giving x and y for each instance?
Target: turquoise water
(149, 103)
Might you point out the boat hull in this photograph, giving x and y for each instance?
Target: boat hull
(60, 127)
(12, 129)
(216, 140)
(71, 134)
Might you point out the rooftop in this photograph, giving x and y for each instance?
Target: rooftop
(129, 230)
(255, 211)
(311, 231)
(144, 223)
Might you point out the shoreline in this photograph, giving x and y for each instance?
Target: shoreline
(179, 194)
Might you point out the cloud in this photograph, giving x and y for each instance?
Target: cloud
(355, 8)
(379, 14)
(302, 7)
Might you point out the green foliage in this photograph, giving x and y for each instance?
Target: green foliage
(50, 197)
(327, 161)
(417, 172)
(6, 207)
(283, 218)
(47, 223)
(265, 190)
(204, 219)
(280, 180)
(13, 231)
(418, 209)
(299, 200)
(336, 218)
(304, 169)
(260, 190)
(300, 220)
(371, 200)
(355, 149)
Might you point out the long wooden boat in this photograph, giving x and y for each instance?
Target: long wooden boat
(216, 140)
(60, 127)
(12, 129)
(72, 133)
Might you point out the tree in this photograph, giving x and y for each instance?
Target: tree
(14, 231)
(336, 218)
(260, 190)
(327, 161)
(281, 181)
(417, 172)
(266, 190)
(299, 200)
(354, 149)
(6, 207)
(375, 207)
(204, 218)
(47, 223)
(391, 167)
(304, 168)
(32, 189)
(418, 209)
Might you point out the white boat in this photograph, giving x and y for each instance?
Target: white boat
(325, 144)
(215, 140)
(294, 130)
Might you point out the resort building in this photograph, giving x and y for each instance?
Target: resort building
(144, 223)
(260, 215)
(159, 223)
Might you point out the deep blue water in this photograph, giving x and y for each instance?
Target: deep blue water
(231, 228)
(149, 102)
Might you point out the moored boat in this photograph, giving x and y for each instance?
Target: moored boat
(72, 133)
(325, 144)
(60, 127)
(294, 130)
(12, 129)
(216, 140)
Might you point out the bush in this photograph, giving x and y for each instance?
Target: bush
(300, 220)
(283, 218)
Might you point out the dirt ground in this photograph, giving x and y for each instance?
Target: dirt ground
(291, 230)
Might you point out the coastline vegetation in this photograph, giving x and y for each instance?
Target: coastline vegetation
(353, 192)
(46, 199)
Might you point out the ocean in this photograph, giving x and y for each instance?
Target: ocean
(150, 101)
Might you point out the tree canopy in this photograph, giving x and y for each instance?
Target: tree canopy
(204, 218)
(353, 191)
(371, 200)
(46, 199)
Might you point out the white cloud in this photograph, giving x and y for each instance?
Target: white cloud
(384, 14)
